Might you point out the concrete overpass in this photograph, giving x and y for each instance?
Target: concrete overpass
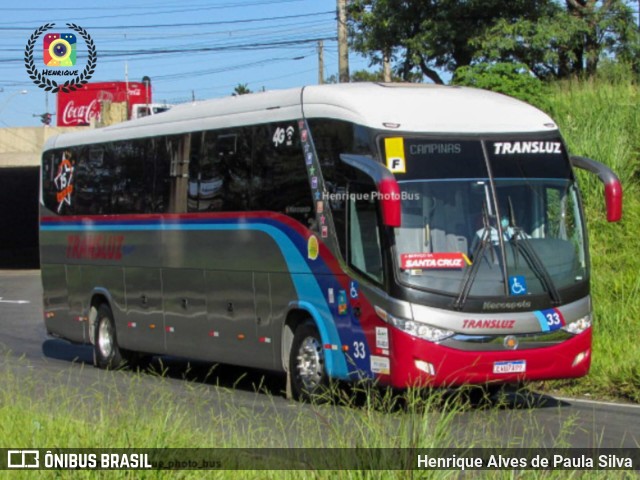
(20, 150)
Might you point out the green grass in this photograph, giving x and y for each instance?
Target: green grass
(601, 120)
(138, 410)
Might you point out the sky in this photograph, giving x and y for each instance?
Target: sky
(190, 49)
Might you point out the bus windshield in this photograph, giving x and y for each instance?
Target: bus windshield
(489, 218)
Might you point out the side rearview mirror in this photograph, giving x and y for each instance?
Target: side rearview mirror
(612, 185)
(386, 183)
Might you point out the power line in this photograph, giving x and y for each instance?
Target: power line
(165, 12)
(192, 24)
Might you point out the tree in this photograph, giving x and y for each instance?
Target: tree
(241, 89)
(430, 35)
(570, 40)
(368, 76)
(512, 79)
(554, 38)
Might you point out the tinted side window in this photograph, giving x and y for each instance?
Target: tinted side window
(220, 170)
(365, 250)
(280, 182)
(130, 176)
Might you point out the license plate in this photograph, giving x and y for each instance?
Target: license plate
(518, 366)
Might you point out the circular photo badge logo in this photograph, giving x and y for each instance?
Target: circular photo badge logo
(59, 54)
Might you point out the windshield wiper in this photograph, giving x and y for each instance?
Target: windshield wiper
(523, 246)
(477, 256)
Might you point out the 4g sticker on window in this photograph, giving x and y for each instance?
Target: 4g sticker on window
(283, 135)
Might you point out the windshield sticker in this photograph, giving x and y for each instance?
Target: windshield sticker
(64, 181)
(412, 261)
(511, 148)
(517, 285)
(394, 148)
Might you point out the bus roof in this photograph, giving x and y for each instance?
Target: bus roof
(423, 108)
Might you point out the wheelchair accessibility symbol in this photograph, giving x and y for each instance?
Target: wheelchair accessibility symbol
(517, 285)
(353, 290)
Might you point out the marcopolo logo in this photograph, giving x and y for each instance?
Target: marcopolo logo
(60, 53)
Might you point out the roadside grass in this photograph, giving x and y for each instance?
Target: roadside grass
(140, 410)
(600, 119)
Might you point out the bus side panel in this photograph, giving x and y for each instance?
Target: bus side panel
(267, 330)
(82, 280)
(103, 279)
(185, 312)
(142, 328)
(242, 267)
(56, 303)
(232, 316)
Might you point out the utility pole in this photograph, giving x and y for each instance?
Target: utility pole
(343, 51)
(320, 62)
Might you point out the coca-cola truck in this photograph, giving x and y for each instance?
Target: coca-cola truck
(81, 106)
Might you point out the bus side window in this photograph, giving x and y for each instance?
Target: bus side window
(219, 171)
(232, 161)
(279, 179)
(365, 249)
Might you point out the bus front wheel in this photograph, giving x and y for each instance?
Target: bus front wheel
(106, 351)
(309, 379)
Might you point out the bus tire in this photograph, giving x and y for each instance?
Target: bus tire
(309, 380)
(107, 354)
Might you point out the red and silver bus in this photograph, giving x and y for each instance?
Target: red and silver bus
(411, 235)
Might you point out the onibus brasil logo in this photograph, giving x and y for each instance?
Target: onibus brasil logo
(59, 52)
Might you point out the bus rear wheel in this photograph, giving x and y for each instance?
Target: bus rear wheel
(309, 379)
(106, 351)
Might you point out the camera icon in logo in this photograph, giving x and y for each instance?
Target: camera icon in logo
(59, 49)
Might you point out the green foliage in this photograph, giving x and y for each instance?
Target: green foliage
(554, 39)
(429, 36)
(565, 41)
(600, 119)
(511, 79)
(368, 76)
(241, 89)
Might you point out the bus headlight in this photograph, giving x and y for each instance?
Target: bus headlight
(416, 329)
(579, 325)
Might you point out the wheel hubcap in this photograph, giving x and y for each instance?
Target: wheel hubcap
(310, 363)
(105, 338)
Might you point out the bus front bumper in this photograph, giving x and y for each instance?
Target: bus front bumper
(417, 362)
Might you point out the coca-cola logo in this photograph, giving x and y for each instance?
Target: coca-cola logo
(81, 114)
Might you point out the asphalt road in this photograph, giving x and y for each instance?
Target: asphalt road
(526, 420)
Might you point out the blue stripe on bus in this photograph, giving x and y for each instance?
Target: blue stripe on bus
(544, 325)
(305, 283)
